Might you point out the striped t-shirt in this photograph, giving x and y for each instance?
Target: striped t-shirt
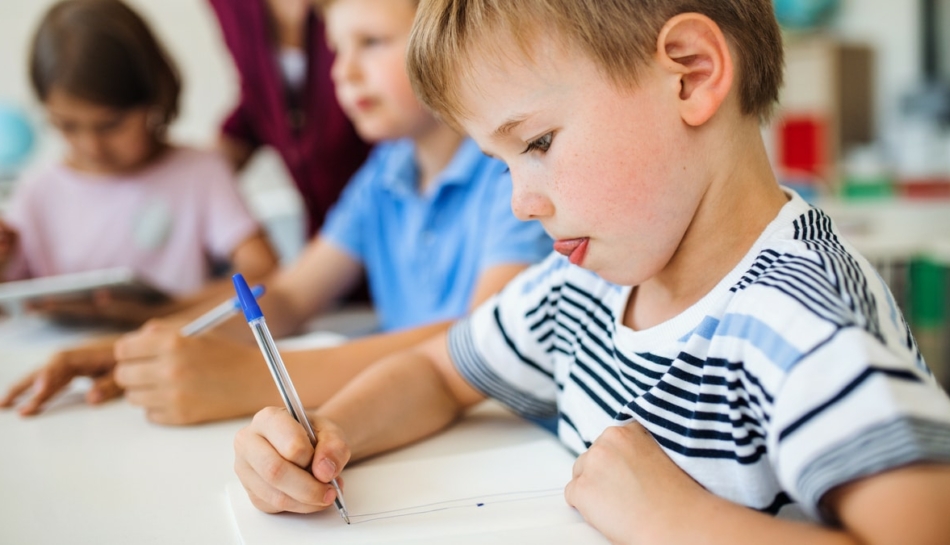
(795, 374)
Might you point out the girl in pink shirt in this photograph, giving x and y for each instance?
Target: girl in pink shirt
(122, 196)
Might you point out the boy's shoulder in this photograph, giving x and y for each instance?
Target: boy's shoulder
(804, 285)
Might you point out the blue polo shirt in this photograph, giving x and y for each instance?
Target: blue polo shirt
(424, 253)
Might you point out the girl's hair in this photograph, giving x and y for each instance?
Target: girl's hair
(104, 52)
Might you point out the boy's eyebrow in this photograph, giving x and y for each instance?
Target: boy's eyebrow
(505, 128)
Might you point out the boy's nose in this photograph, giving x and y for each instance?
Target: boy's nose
(344, 69)
(528, 203)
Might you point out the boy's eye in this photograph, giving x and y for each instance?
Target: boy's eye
(371, 41)
(541, 144)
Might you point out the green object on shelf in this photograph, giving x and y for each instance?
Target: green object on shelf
(880, 188)
(928, 293)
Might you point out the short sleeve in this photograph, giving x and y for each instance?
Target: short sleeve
(852, 408)
(344, 225)
(503, 348)
(228, 221)
(508, 239)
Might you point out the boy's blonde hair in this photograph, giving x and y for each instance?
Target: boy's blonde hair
(322, 5)
(618, 35)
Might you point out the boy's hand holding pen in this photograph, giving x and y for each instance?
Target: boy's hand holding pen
(322, 439)
(279, 468)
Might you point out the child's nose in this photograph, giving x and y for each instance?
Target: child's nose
(344, 69)
(529, 202)
(90, 145)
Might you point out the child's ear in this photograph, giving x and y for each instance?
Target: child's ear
(693, 49)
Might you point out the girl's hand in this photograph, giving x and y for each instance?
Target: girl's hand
(103, 307)
(8, 244)
(627, 488)
(91, 360)
(273, 457)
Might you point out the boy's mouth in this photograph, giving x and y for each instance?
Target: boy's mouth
(575, 249)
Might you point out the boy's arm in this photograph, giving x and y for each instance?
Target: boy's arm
(629, 489)
(404, 398)
(492, 280)
(254, 257)
(190, 380)
(398, 400)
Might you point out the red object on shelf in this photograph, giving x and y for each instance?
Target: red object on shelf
(803, 143)
(936, 187)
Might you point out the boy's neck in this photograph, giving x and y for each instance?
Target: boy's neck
(435, 148)
(742, 197)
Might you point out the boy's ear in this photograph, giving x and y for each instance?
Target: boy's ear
(692, 48)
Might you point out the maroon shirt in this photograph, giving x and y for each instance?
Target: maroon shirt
(310, 132)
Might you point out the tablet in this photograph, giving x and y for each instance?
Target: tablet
(121, 282)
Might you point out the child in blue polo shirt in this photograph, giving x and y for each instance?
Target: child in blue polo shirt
(428, 217)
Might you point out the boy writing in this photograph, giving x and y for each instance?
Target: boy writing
(711, 346)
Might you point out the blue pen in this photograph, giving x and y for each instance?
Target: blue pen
(218, 314)
(255, 319)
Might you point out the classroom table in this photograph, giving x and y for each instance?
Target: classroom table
(80, 474)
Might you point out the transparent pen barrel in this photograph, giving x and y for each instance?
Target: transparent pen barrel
(281, 377)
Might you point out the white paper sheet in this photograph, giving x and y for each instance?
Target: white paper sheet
(502, 495)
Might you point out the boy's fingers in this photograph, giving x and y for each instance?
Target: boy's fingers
(268, 498)
(16, 390)
(280, 475)
(146, 343)
(332, 452)
(147, 398)
(285, 434)
(103, 389)
(46, 383)
(138, 375)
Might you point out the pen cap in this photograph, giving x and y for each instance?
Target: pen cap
(248, 303)
(257, 291)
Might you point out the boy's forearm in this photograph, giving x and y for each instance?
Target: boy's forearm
(398, 401)
(320, 373)
(722, 522)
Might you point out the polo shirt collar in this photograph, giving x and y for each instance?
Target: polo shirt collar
(400, 172)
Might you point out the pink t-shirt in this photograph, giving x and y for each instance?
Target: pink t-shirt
(166, 221)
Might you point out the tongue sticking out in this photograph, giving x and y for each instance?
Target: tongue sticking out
(575, 249)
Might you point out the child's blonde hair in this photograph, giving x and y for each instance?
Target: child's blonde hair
(322, 5)
(618, 35)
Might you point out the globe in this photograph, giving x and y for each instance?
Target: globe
(804, 14)
(16, 138)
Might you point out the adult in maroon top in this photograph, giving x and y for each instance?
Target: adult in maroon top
(304, 125)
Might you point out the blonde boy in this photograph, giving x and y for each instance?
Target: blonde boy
(727, 368)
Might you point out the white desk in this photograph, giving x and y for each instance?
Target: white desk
(78, 474)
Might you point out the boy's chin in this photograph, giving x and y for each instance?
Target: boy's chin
(376, 132)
